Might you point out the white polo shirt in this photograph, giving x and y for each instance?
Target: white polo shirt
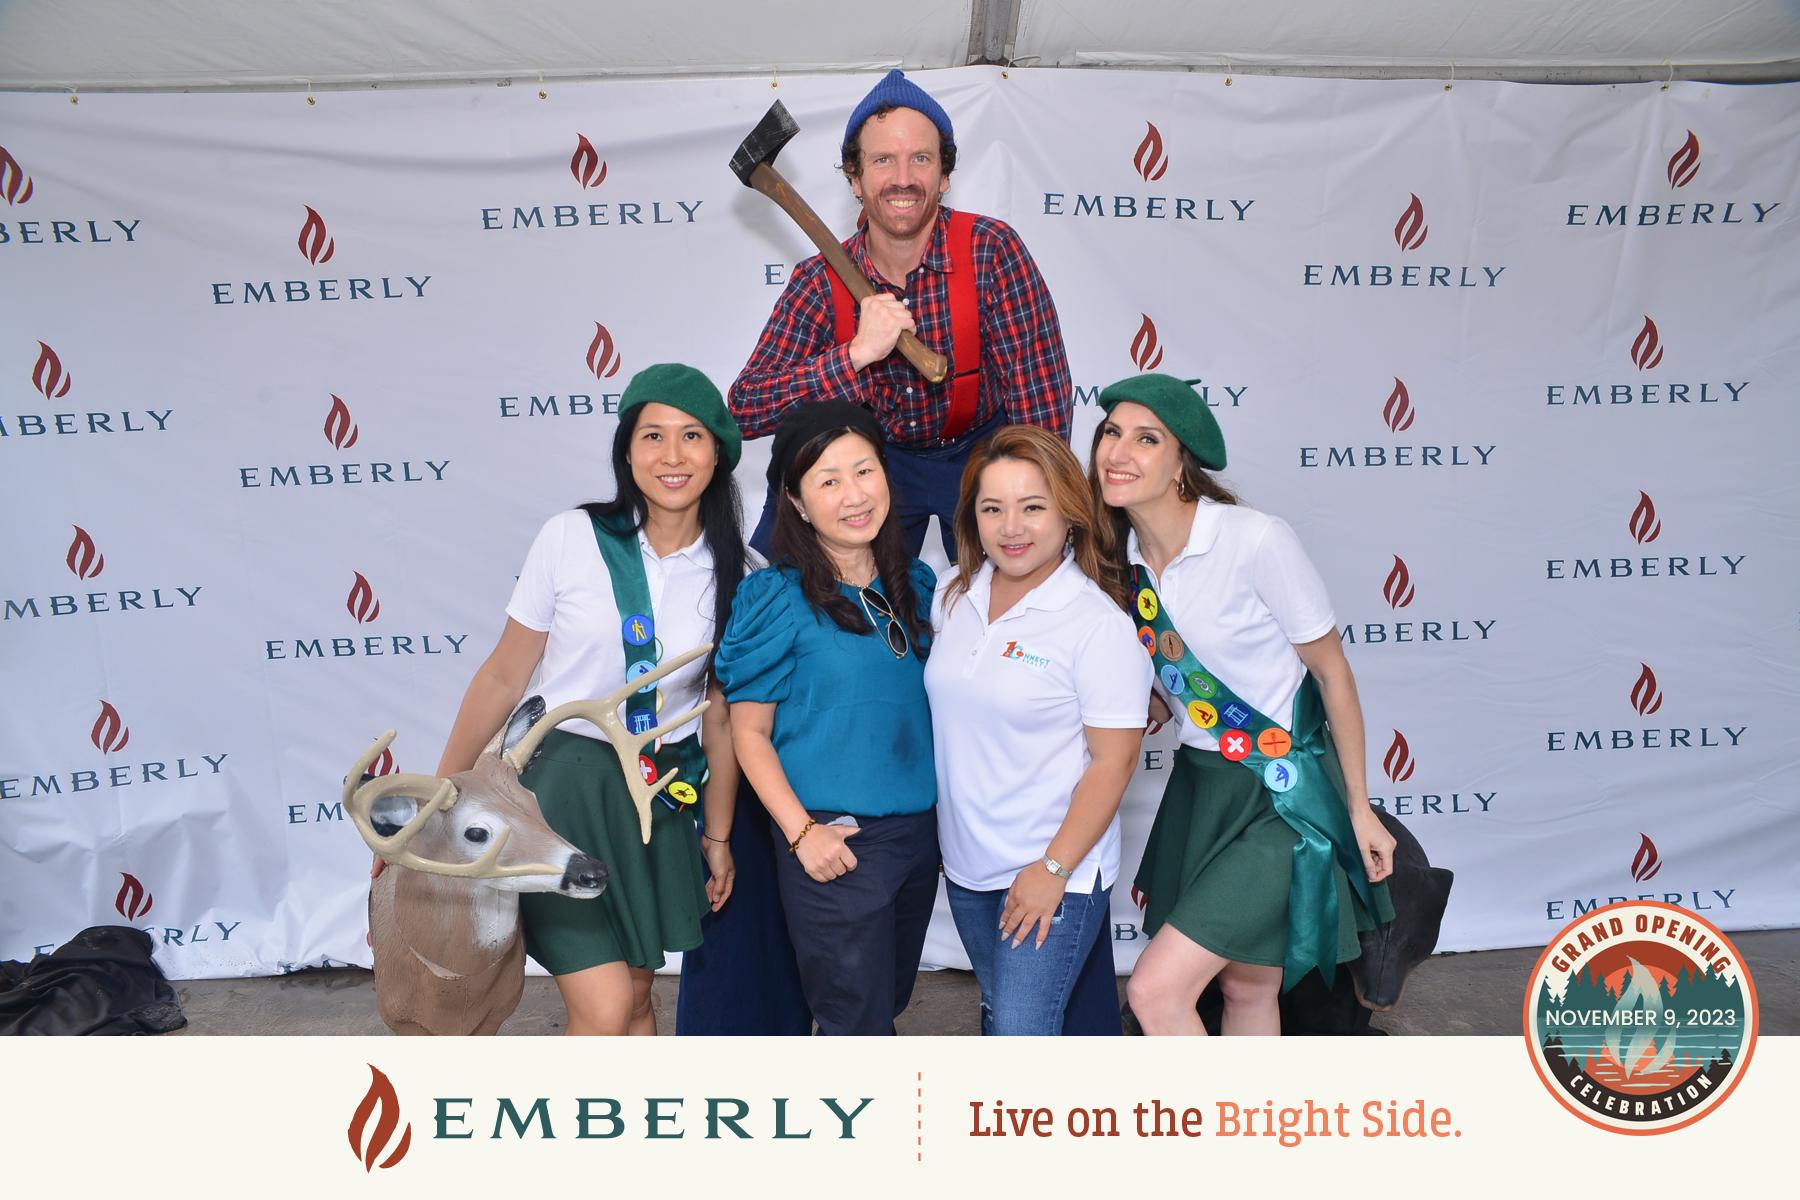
(1242, 594)
(1008, 703)
(564, 590)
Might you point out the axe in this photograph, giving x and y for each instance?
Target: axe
(754, 165)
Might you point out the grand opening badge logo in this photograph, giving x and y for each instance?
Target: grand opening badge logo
(1640, 1017)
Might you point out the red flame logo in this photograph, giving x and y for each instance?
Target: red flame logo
(1150, 161)
(1684, 164)
(380, 1096)
(1137, 897)
(1398, 411)
(315, 243)
(586, 166)
(340, 431)
(602, 359)
(384, 763)
(132, 901)
(110, 733)
(1398, 764)
(1146, 352)
(1646, 697)
(1646, 862)
(1645, 526)
(1410, 229)
(47, 374)
(15, 184)
(84, 559)
(1646, 348)
(1398, 589)
(361, 602)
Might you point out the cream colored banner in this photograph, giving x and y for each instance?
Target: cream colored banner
(1459, 1116)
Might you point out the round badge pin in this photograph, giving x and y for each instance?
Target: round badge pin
(1281, 775)
(638, 629)
(1147, 639)
(1146, 604)
(647, 768)
(1640, 1017)
(1234, 745)
(1274, 742)
(1203, 714)
(638, 670)
(683, 793)
(1202, 684)
(1171, 679)
(1170, 645)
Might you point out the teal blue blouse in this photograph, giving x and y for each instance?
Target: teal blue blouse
(852, 724)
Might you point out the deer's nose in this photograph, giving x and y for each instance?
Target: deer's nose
(584, 873)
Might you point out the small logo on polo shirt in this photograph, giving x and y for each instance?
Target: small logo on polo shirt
(1018, 653)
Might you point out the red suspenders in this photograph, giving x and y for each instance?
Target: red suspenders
(965, 325)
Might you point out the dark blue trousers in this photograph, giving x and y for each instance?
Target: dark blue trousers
(858, 938)
(742, 979)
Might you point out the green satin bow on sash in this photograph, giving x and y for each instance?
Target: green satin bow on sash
(1289, 763)
(637, 630)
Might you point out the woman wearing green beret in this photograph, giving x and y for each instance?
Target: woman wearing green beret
(1265, 859)
(606, 589)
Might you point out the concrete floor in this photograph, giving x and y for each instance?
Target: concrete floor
(1476, 993)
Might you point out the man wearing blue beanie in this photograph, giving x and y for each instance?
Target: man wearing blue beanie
(963, 283)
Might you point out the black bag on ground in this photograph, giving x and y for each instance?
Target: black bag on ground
(102, 981)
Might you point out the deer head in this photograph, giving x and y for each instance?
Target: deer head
(463, 826)
(481, 824)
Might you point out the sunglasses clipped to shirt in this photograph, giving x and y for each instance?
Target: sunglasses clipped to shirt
(876, 605)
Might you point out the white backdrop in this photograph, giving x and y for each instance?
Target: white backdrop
(1518, 363)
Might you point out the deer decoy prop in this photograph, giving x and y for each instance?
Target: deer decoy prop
(449, 958)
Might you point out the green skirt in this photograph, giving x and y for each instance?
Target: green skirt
(1219, 861)
(655, 894)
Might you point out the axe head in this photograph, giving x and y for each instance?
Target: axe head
(774, 131)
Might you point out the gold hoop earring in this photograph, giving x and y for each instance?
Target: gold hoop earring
(1181, 491)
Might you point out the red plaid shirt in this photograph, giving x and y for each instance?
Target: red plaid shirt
(1024, 368)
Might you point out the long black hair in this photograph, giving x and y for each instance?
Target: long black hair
(797, 544)
(721, 520)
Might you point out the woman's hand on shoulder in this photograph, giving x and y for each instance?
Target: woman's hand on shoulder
(1031, 902)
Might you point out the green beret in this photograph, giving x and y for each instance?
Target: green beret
(683, 387)
(1177, 405)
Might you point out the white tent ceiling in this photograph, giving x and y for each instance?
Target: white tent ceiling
(175, 44)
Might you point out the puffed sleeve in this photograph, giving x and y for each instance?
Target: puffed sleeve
(755, 660)
(924, 586)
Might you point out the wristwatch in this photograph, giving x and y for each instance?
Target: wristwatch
(1056, 868)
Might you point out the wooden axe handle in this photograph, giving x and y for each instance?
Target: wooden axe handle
(767, 180)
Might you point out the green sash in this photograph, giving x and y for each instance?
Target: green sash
(637, 629)
(1291, 770)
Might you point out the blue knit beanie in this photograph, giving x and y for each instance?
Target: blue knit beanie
(895, 88)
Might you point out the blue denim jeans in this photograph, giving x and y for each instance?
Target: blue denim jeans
(1025, 989)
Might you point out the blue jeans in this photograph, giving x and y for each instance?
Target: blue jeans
(1025, 989)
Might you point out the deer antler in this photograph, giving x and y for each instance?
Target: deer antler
(604, 712)
(438, 795)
